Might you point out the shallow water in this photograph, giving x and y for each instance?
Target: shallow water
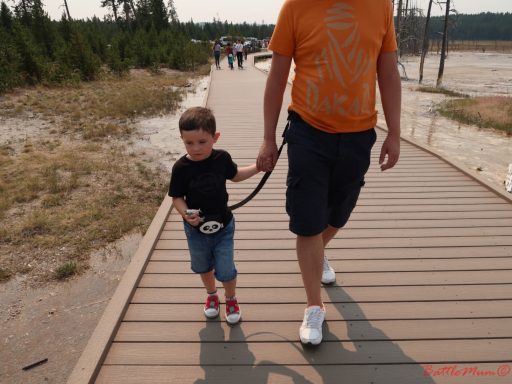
(480, 151)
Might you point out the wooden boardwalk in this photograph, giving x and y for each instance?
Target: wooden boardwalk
(424, 281)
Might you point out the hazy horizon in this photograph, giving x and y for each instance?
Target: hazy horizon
(262, 11)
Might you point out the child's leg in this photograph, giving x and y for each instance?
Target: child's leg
(233, 313)
(225, 270)
(230, 288)
(211, 306)
(209, 281)
(201, 260)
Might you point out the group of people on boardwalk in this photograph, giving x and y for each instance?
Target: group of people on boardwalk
(331, 132)
(236, 51)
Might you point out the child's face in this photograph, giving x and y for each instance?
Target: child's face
(199, 143)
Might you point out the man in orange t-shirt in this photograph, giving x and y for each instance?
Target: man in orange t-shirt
(340, 49)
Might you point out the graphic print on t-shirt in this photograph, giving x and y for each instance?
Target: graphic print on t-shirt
(344, 61)
(207, 185)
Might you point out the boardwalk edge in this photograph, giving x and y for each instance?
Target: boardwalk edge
(457, 165)
(90, 361)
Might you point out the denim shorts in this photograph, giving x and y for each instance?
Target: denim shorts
(325, 175)
(212, 252)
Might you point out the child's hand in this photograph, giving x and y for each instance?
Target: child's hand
(192, 216)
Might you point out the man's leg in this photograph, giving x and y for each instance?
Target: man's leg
(310, 253)
(328, 234)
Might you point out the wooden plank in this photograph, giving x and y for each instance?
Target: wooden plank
(391, 253)
(264, 372)
(376, 216)
(335, 312)
(344, 279)
(350, 266)
(272, 195)
(287, 243)
(375, 183)
(269, 331)
(290, 353)
(418, 224)
(391, 294)
(354, 233)
(245, 188)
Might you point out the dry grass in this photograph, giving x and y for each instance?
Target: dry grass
(60, 206)
(79, 188)
(103, 108)
(68, 269)
(485, 112)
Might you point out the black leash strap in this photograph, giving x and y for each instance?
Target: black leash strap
(264, 178)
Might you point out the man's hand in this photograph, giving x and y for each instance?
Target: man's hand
(391, 149)
(267, 157)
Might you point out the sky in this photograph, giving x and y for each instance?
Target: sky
(250, 11)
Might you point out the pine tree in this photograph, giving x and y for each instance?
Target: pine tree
(6, 17)
(159, 14)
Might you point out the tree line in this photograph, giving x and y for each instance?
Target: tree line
(136, 33)
(148, 34)
(483, 26)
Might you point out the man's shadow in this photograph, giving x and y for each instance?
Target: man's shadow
(215, 353)
(374, 357)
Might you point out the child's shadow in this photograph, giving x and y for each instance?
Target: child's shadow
(214, 355)
(336, 364)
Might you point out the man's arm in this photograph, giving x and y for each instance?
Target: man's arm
(272, 103)
(245, 172)
(391, 97)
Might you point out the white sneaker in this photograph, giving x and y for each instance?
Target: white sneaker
(311, 328)
(328, 275)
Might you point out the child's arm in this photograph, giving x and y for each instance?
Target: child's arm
(181, 206)
(245, 172)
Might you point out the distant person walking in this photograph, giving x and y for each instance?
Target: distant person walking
(246, 51)
(340, 49)
(216, 53)
(239, 47)
(229, 54)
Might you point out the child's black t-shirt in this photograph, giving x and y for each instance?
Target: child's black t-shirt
(203, 184)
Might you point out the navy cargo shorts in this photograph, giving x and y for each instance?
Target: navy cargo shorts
(325, 175)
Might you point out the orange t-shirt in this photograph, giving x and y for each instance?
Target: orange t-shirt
(335, 46)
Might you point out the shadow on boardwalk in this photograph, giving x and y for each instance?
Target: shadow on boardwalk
(250, 371)
(330, 361)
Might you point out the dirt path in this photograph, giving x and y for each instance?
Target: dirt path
(55, 321)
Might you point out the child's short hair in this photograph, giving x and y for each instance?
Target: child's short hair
(198, 118)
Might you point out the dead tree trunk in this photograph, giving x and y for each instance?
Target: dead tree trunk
(67, 10)
(443, 47)
(424, 48)
(399, 26)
